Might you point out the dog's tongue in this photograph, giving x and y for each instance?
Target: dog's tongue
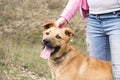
(46, 52)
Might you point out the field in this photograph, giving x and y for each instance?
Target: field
(20, 37)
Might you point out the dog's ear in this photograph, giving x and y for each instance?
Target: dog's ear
(48, 24)
(69, 32)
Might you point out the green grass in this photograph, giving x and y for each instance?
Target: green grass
(23, 61)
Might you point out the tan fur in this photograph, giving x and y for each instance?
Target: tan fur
(73, 65)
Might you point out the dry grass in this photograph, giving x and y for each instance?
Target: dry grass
(20, 37)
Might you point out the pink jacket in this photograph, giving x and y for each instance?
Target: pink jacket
(73, 6)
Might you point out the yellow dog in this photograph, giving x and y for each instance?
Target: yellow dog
(65, 61)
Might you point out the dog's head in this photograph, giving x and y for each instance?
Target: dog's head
(55, 40)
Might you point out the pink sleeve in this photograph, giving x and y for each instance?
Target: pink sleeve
(70, 9)
(119, 1)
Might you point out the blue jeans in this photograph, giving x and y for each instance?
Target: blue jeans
(103, 39)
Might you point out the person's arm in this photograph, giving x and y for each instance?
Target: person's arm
(69, 11)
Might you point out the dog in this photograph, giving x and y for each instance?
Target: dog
(65, 61)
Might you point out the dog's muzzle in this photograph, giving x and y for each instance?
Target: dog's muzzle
(49, 49)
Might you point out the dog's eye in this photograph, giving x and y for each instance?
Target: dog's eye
(58, 37)
(47, 33)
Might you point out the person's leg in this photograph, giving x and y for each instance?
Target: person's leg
(98, 45)
(111, 24)
(115, 55)
(114, 39)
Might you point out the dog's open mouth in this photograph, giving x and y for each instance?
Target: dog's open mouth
(49, 51)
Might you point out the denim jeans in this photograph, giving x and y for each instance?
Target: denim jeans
(103, 39)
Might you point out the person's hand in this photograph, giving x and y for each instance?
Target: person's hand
(61, 22)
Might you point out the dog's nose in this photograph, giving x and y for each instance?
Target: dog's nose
(47, 42)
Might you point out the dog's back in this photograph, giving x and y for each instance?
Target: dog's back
(76, 66)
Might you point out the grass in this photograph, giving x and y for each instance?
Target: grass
(20, 37)
(22, 62)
